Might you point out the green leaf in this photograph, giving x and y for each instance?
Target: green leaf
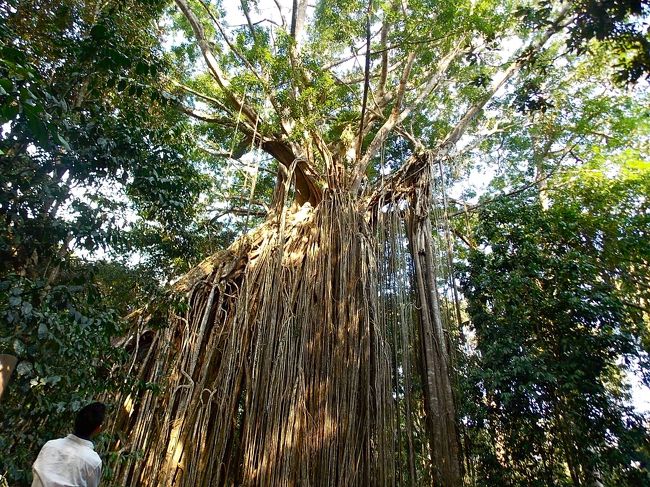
(26, 308)
(24, 368)
(19, 348)
(64, 142)
(7, 85)
(141, 68)
(99, 32)
(42, 330)
(8, 111)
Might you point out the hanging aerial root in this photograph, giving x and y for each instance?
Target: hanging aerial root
(278, 373)
(314, 351)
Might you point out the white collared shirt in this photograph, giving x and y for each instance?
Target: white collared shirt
(67, 462)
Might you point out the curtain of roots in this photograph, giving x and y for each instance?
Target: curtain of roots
(314, 352)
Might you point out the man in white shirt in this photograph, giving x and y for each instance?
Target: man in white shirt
(72, 461)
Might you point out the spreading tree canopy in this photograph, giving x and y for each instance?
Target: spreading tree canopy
(321, 347)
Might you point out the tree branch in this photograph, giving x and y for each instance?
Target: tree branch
(213, 64)
(384, 58)
(282, 17)
(285, 124)
(366, 81)
(231, 46)
(244, 7)
(418, 162)
(238, 212)
(203, 96)
(514, 192)
(298, 14)
(398, 114)
(360, 79)
(206, 117)
(521, 59)
(464, 239)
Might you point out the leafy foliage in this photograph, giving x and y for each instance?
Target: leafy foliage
(91, 140)
(556, 300)
(61, 335)
(92, 115)
(619, 23)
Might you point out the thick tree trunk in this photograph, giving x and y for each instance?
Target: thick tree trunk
(283, 371)
(278, 374)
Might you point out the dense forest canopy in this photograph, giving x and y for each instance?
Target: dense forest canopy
(340, 243)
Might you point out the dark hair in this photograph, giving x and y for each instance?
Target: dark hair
(89, 418)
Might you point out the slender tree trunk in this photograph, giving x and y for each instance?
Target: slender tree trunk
(434, 359)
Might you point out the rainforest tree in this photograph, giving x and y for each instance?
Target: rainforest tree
(556, 287)
(558, 303)
(320, 347)
(315, 350)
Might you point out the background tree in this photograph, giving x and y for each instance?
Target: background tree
(88, 144)
(554, 323)
(566, 198)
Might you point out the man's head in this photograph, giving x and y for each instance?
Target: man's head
(89, 420)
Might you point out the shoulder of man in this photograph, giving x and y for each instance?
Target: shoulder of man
(53, 444)
(87, 450)
(94, 459)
